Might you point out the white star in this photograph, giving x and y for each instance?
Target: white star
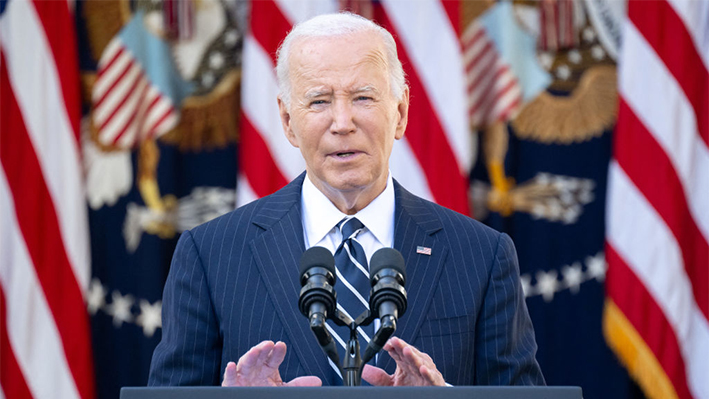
(571, 214)
(573, 277)
(597, 266)
(216, 60)
(554, 210)
(538, 211)
(149, 317)
(571, 184)
(96, 297)
(586, 194)
(588, 185)
(546, 59)
(597, 52)
(574, 56)
(120, 308)
(231, 37)
(589, 35)
(566, 197)
(207, 79)
(547, 284)
(560, 182)
(563, 72)
(526, 280)
(543, 178)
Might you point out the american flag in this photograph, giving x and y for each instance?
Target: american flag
(494, 93)
(657, 234)
(436, 153)
(45, 348)
(134, 97)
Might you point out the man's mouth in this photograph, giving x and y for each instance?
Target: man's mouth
(344, 154)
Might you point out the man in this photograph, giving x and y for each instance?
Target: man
(233, 284)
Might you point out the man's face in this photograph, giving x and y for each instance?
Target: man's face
(343, 115)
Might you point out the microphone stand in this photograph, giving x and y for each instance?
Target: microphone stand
(353, 363)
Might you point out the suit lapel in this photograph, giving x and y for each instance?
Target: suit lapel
(277, 252)
(415, 226)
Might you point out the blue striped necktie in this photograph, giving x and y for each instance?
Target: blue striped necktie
(352, 284)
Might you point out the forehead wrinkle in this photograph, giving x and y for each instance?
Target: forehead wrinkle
(317, 92)
(365, 89)
(375, 57)
(305, 71)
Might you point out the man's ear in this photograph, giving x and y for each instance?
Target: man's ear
(403, 114)
(284, 112)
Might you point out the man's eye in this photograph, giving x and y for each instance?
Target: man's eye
(318, 102)
(364, 98)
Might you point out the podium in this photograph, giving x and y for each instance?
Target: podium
(464, 392)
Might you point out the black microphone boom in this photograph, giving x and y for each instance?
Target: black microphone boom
(387, 299)
(318, 299)
(318, 302)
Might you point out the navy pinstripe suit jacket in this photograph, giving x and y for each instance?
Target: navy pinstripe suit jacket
(233, 283)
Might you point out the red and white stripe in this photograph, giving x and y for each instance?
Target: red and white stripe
(556, 21)
(435, 155)
(178, 19)
(127, 107)
(45, 346)
(658, 214)
(494, 93)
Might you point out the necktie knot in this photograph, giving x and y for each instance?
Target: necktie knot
(350, 228)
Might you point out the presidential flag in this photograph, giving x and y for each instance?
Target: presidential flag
(542, 178)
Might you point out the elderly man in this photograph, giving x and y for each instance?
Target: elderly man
(233, 284)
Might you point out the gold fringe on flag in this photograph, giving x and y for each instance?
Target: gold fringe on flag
(586, 113)
(635, 355)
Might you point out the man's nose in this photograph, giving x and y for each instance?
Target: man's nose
(342, 117)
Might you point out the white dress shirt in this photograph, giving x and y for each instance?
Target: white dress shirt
(320, 218)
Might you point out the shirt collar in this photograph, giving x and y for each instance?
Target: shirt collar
(320, 215)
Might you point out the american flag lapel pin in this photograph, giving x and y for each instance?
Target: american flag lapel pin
(423, 250)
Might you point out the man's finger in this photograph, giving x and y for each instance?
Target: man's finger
(432, 376)
(250, 358)
(276, 356)
(376, 376)
(413, 357)
(229, 375)
(394, 342)
(306, 381)
(265, 349)
(397, 351)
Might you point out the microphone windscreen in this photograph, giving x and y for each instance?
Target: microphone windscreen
(317, 257)
(387, 258)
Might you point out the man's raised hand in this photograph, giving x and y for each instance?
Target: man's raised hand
(259, 368)
(413, 367)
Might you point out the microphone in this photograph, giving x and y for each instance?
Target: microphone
(318, 299)
(387, 299)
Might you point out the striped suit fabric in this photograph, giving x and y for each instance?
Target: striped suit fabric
(233, 283)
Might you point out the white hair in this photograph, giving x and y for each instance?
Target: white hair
(340, 24)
